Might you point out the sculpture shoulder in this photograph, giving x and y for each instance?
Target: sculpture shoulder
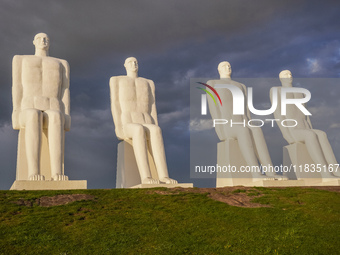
(213, 82)
(151, 83)
(277, 88)
(63, 62)
(114, 80)
(232, 82)
(224, 81)
(145, 80)
(19, 58)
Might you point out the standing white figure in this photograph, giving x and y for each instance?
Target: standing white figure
(135, 117)
(250, 140)
(41, 100)
(315, 140)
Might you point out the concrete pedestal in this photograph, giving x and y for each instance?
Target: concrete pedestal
(297, 154)
(45, 164)
(48, 185)
(22, 182)
(127, 170)
(229, 153)
(148, 186)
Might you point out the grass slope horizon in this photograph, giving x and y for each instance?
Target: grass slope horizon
(166, 221)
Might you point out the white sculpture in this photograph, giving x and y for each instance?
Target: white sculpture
(250, 140)
(135, 117)
(41, 103)
(316, 141)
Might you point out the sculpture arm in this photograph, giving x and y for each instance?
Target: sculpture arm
(247, 114)
(66, 94)
(215, 112)
(153, 106)
(16, 91)
(277, 115)
(115, 107)
(309, 122)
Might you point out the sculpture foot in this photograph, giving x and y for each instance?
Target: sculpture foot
(277, 177)
(259, 176)
(168, 180)
(149, 180)
(37, 177)
(329, 176)
(60, 177)
(337, 174)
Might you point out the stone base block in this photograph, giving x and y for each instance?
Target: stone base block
(45, 163)
(148, 186)
(229, 153)
(230, 182)
(127, 170)
(322, 182)
(259, 183)
(297, 154)
(279, 183)
(48, 185)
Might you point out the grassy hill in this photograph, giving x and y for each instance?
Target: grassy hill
(179, 221)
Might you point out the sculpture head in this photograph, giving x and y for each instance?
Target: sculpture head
(286, 78)
(41, 41)
(131, 65)
(224, 69)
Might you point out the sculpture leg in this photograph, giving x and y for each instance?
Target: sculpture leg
(154, 135)
(247, 149)
(262, 151)
(136, 132)
(310, 138)
(55, 123)
(32, 121)
(327, 151)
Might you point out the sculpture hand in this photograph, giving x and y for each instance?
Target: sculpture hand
(67, 125)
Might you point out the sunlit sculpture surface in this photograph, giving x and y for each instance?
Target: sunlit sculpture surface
(303, 138)
(41, 111)
(135, 117)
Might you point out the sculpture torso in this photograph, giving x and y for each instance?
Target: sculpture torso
(295, 113)
(227, 100)
(41, 83)
(135, 99)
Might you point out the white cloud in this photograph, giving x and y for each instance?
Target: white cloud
(172, 117)
(335, 125)
(201, 125)
(313, 65)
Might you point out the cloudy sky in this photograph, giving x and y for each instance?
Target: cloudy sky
(173, 42)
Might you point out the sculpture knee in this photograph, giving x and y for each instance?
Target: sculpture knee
(138, 131)
(54, 118)
(310, 135)
(243, 132)
(156, 132)
(30, 115)
(321, 134)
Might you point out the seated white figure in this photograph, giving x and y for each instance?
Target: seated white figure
(250, 139)
(41, 107)
(316, 141)
(135, 117)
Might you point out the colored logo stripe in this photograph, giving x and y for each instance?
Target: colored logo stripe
(208, 86)
(208, 94)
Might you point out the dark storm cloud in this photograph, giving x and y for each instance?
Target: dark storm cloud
(173, 41)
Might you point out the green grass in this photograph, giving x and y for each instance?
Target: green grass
(299, 221)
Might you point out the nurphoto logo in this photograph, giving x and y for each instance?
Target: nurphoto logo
(239, 103)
